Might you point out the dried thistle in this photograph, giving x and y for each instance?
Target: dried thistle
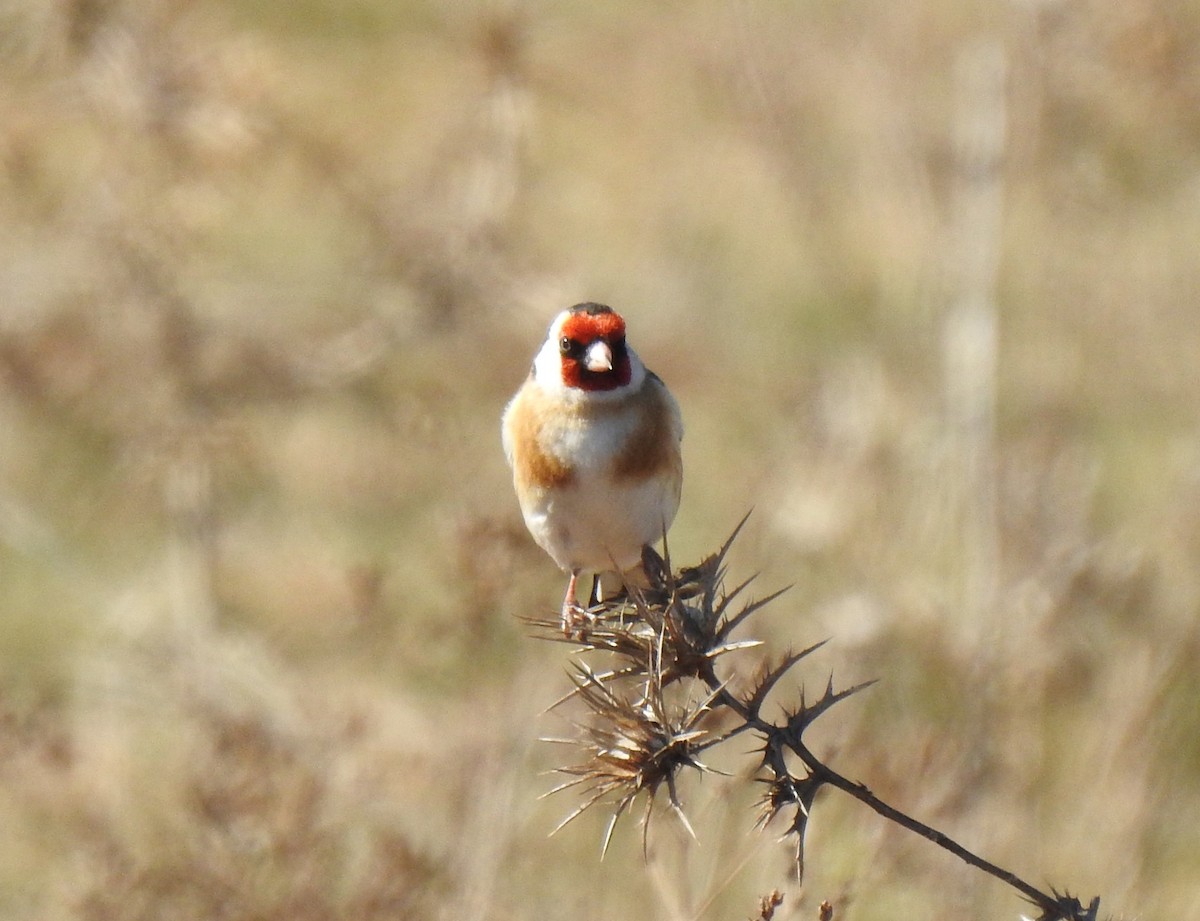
(675, 627)
(632, 745)
(659, 702)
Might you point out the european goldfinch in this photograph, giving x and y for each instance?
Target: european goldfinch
(593, 439)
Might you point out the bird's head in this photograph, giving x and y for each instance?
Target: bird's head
(586, 351)
(592, 349)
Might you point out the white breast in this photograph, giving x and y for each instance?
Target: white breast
(595, 522)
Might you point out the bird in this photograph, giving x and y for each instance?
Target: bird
(594, 442)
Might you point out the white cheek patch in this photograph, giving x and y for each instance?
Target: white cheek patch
(547, 367)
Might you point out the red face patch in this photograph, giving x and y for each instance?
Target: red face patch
(588, 327)
(581, 330)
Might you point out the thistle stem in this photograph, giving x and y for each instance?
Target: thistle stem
(863, 794)
(1051, 907)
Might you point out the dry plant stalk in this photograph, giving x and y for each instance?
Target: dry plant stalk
(652, 709)
(768, 905)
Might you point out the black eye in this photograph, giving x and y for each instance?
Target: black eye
(567, 345)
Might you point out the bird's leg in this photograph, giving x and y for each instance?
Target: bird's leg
(572, 614)
(597, 591)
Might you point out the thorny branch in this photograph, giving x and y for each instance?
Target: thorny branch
(673, 635)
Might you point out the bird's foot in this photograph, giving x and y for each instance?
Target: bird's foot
(575, 621)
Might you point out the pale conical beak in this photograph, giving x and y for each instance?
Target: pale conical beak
(598, 357)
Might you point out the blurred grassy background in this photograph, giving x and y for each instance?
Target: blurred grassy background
(923, 277)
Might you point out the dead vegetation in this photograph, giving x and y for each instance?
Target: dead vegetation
(922, 277)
